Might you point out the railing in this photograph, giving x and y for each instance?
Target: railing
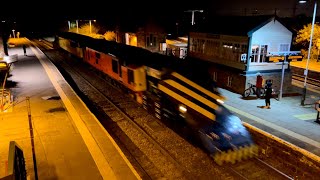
(6, 99)
(16, 168)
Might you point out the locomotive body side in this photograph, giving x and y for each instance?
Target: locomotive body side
(131, 77)
(72, 47)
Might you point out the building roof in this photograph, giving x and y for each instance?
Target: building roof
(236, 25)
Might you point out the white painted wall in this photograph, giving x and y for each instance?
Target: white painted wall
(273, 34)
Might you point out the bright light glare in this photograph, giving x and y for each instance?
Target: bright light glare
(220, 101)
(301, 1)
(182, 109)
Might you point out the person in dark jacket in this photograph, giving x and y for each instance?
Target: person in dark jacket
(259, 85)
(268, 94)
(24, 49)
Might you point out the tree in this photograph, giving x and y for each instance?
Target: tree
(85, 29)
(110, 36)
(303, 39)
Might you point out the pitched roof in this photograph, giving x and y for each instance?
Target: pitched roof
(235, 25)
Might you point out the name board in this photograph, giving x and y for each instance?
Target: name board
(276, 58)
(295, 57)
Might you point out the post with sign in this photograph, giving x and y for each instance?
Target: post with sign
(282, 77)
(318, 47)
(283, 58)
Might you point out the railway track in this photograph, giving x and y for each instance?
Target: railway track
(144, 138)
(310, 81)
(257, 169)
(113, 107)
(152, 146)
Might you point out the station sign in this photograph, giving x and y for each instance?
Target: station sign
(276, 58)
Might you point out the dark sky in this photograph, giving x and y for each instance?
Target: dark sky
(45, 15)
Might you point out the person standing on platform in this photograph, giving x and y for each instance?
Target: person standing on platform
(268, 94)
(259, 84)
(24, 49)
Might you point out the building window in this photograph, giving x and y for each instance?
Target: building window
(244, 48)
(284, 47)
(229, 83)
(263, 53)
(254, 52)
(215, 76)
(151, 40)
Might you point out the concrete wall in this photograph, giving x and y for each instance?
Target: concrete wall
(294, 161)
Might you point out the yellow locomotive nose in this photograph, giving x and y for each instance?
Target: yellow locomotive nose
(236, 155)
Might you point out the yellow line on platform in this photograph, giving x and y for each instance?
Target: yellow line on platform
(310, 116)
(96, 153)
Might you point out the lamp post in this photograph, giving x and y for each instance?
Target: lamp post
(282, 77)
(192, 14)
(304, 92)
(14, 36)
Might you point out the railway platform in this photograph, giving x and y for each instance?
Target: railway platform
(59, 136)
(287, 119)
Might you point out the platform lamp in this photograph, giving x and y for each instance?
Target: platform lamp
(192, 15)
(304, 92)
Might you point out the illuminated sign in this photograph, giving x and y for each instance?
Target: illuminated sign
(295, 57)
(276, 58)
(243, 57)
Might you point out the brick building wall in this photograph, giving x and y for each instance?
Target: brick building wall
(239, 80)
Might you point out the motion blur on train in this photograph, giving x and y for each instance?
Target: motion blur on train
(167, 87)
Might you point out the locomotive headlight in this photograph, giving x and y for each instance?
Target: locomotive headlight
(182, 108)
(220, 101)
(234, 124)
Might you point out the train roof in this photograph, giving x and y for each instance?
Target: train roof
(194, 70)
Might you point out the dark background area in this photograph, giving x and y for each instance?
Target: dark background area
(30, 17)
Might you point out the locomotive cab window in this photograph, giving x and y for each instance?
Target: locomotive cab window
(115, 66)
(73, 44)
(130, 76)
(97, 57)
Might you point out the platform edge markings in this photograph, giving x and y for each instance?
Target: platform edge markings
(276, 127)
(107, 134)
(84, 132)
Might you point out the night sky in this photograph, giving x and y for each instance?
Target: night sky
(33, 16)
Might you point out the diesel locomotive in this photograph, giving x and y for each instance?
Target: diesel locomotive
(168, 88)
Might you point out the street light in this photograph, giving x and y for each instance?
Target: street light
(192, 16)
(14, 36)
(304, 92)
